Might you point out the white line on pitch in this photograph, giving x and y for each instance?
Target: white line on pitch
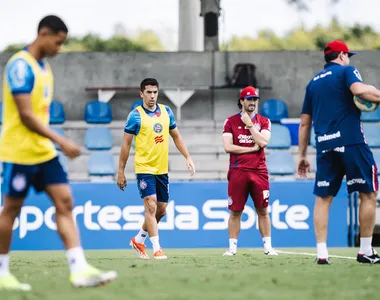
(313, 254)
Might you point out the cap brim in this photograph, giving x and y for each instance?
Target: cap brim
(351, 53)
(249, 97)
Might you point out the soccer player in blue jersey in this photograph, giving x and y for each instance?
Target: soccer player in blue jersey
(30, 158)
(151, 125)
(341, 146)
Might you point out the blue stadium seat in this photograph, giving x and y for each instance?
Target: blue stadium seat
(64, 161)
(101, 163)
(372, 135)
(58, 130)
(373, 116)
(97, 112)
(280, 137)
(281, 163)
(98, 138)
(1, 112)
(57, 113)
(136, 104)
(376, 156)
(274, 110)
(312, 137)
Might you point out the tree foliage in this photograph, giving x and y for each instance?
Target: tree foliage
(146, 40)
(357, 37)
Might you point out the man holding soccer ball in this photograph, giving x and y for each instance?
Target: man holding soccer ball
(341, 146)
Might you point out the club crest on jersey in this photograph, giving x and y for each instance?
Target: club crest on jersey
(143, 184)
(157, 128)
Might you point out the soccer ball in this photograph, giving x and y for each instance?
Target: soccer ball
(364, 105)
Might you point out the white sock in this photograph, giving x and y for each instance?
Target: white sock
(267, 242)
(233, 245)
(322, 251)
(77, 260)
(4, 264)
(156, 243)
(366, 246)
(141, 236)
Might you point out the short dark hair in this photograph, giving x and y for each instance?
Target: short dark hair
(148, 81)
(54, 23)
(330, 56)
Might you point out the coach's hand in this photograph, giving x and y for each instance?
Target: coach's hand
(69, 148)
(246, 119)
(303, 167)
(190, 165)
(121, 180)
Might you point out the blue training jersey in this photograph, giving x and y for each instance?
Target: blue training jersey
(134, 120)
(328, 99)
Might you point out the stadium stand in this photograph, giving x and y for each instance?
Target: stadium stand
(373, 116)
(372, 134)
(274, 110)
(280, 137)
(281, 163)
(97, 113)
(57, 113)
(98, 138)
(312, 138)
(60, 131)
(101, 163)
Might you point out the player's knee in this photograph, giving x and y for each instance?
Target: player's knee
(236, 213)
(160, 213)
(262, 211)
(150, 204)
(64, 205)
(368, 196)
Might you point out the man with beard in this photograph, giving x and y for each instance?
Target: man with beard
(245, 135)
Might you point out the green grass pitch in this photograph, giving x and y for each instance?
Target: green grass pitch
(201, 274)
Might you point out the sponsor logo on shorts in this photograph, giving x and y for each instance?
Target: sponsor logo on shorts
(323, 183)
(230, 201)
(266, 194)
(19, 182)
(328, 137)
(143, 184)
(356, 181)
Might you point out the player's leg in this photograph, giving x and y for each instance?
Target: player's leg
(259, 190)
(15, 186)
(237, 197)
(330, 172)
(362, 178)
(52, 179)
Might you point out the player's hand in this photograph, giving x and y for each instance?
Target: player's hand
(246, 119)
(303, 167)
(69, 148)
(121, 180)
(255, 148)
(190, 165)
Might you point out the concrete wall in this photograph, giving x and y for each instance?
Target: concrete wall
(286, 72)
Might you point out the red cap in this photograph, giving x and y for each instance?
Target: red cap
(249, 92)
(338, 46)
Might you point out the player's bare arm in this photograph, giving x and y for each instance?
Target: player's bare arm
(229, 146)
(260, 138)
(30, 120)
(366, 92)
(181, 146)
(303, 142)
(123, 158)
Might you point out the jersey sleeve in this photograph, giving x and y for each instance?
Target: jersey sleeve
(352, 75)
(266, 125)
(173, 124)
(20, 77)
(307, 107)
(227, 128)
(133, 123)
